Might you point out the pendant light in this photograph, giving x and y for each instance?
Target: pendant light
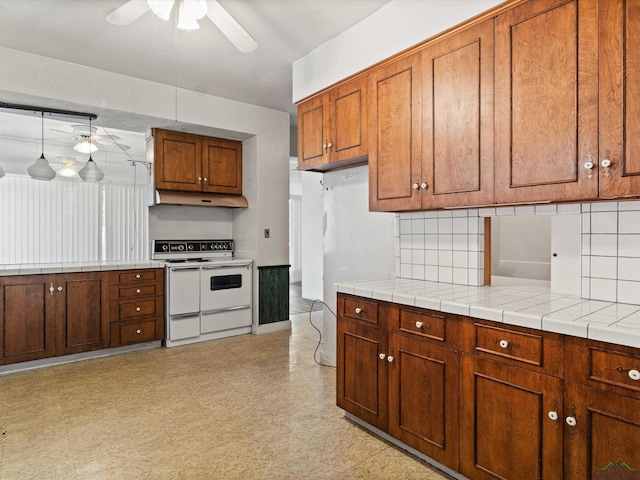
(41, 170)
(90, 172)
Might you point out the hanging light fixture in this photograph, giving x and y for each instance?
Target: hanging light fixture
(41, 170)
(90, 172)
(85, 145)
(161, 8)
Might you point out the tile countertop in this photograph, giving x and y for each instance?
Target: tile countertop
(525, 306)
(74, 267)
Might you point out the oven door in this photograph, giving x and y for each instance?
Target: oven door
(183, 292)
(225, 287)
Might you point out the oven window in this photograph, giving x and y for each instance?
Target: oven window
(225, 282)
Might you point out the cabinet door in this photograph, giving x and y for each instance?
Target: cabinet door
(83, 312)
(177, 161)
(619, 97)
(394, 136)
(546, 87)
(361, 373)
(313, 134)
(423, 398)
(604, 441)
(505, 430)
(457, 119)
(27, 318)
(348, 116)
(222, 166)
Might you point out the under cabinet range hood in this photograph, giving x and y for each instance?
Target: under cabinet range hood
(164, 197)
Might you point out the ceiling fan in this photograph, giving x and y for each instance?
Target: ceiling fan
(87, 139)
(189, 12)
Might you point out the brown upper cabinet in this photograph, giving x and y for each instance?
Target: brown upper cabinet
(457, 119)
(546, 84)
(619, 98)
(332, 128)
(394, 136)
(191, 163)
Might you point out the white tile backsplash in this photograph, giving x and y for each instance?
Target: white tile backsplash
(448, 245)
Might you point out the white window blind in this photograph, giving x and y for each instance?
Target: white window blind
(69, 221)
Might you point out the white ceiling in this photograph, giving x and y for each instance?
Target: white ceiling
(202, 60)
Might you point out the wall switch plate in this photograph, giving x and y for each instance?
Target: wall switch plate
(267, 234)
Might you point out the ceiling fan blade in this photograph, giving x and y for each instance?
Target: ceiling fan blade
(232, 29)
(128, 12)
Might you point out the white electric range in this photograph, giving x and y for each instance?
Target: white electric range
(208, 291)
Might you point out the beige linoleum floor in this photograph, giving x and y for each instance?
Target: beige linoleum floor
(248, 407)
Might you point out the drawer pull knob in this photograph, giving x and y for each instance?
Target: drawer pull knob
(419, 324)
(138, 290)
(571, 421)
(359, 310)
(390, 359)
(634, 375)
(382, 356)
(138, 275)
(504, 343)
(138, 309)
(138, 331)
(553, 415)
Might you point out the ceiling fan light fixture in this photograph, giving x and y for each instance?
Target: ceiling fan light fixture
(85, 146)
(162, 8)
(41, 170)
(189, 12)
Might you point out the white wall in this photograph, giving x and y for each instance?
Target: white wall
(33, 79)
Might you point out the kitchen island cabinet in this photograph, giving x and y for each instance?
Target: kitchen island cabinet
(190, 163)
(332, 129)
(532, 403)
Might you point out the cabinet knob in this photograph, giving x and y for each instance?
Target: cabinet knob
(138, 290)
(588, 166)
(329, 145)
(358, 310)
(138, 275)
(390, 359)
(634, 375)
(419, 324)
(138, 309)
(51, 289)
(382, 356)
(553, 415)
(606, 165)
(571, 421)
(138, 331)
(205, 179)
(504, 343)
(59, 289)
(423, 185)
(416, 186)
(200, 179)
(324, 147)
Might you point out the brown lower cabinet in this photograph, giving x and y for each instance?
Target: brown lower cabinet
(489, 400)
(44, 316)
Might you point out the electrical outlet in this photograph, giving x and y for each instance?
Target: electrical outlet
(267, 234)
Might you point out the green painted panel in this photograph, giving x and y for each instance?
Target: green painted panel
(273, 295)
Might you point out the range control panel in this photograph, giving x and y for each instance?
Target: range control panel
(172, 248)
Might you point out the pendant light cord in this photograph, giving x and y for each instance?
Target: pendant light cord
(42, 136)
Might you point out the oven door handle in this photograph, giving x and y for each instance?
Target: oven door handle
(228, 309)
(180, 316)
(220, 267)
(179, 269)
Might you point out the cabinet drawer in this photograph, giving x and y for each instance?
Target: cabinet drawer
(524, 347)
(136, 291)
(135, 309)
(603, 365)
(422, 323)
(130, 333)
(132, 276)
(360, 309)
